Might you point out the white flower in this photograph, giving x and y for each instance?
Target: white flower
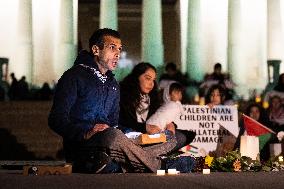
(280, 135)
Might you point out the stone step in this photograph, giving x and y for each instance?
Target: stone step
(25, 126)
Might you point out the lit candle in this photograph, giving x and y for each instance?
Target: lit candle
(206, 171)
(172, 171)
(280, 158)
(249, 146)
(161, 172)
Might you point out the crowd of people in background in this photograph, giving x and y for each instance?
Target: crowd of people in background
(19, 89)
(217, 81)
(214, 84)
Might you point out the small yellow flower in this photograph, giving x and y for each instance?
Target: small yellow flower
(208, 160)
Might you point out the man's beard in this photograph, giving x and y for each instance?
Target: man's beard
(104, 65)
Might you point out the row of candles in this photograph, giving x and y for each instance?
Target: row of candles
(201, 101)
(175, 172)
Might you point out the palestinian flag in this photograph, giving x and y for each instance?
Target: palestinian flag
(189, 149)
(255, 128)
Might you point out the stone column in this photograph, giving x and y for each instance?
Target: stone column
(247, 45)
(108, 14)
(235, 61)
(194, 67)
(182, 14)
(261, 46)
(152, 37)
(67, 51)
(24, 50)
(274, 28)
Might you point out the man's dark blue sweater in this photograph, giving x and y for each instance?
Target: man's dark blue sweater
(83, 98)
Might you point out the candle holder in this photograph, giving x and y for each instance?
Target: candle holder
(249, 146)
(206, 171)
(161, 172)
(172, 171)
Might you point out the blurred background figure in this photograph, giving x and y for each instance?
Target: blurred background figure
(276, 113)
(12, 93)
(277, 90)
(172, 74)
(217, 77)
(45, 92)
(217, 74)
(23, 89)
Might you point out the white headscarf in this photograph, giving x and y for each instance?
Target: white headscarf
(166, 92)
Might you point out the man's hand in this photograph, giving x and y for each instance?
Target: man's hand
(97, 128)
(171, 127)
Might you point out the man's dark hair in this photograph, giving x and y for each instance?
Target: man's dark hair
(98, 37)
(176, 87)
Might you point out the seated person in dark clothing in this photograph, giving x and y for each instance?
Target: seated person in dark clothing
(23, 89)
(172, 74)
(217, 73)
(13, 90)
(45, 92)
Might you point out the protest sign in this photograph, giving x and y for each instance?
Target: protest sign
(216, 128)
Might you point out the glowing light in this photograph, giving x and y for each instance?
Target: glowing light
(265, 104)
(202, 101)
(237, 105)
(196, 98)
(257, 99)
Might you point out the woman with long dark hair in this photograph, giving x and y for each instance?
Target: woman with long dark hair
(140, 99)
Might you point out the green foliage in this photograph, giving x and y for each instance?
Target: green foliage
(233, 161)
